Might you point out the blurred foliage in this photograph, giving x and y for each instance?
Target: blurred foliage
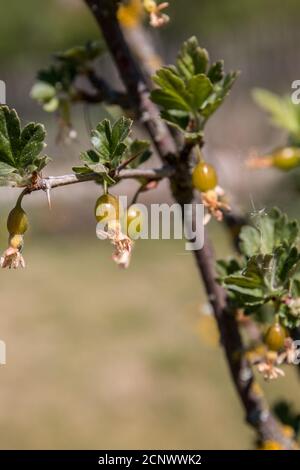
(39, 28)
(33, 29)
(221, 16)
(284, 113)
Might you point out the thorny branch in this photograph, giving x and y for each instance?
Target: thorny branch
(104, 92)
(256, 409)
(50, 182)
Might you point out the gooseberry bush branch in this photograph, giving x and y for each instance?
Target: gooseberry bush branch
(105, 12)
(173, 107)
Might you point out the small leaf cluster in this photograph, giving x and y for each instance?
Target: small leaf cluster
(283, 112)
(20, 149)
(55, 84)
(112, 145)
(192, 90)
(268, 272)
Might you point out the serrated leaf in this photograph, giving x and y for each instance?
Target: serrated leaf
(5, 169)
(31, 143)
(139, 151)
(90, 156)
(9, 135)
(109, 141)
(220, 92)
(216, 72)
(120, 132)
(97, 168)
(41, 161)
(198, 88)
(283, 112)
(176, 118)
(272, 268)
(19, 150)
(192, 59)
(172, 94)
(189, 94)
(287, 262)
(270, 231)
(249, 241)
(227, 267)
(109, 148)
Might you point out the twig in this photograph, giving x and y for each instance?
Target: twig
(105, 92)
(257, 412)
(50, 182)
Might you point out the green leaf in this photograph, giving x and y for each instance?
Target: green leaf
(109, 141)
(120, 132)
(139, 151)
(31, 143)
(190, 92)
(98, 168)
(249, 241)
(19, 150)
(289, 263)
(110, 145)
(216, 72)
(177, 119)
(271, 272)
(81, 170)
(172, 94)
(192, 59)
(221, 90)
(198, 88)
(6, 169)
(90, 156)
(81, 54)
(270, 231)
(9, 135)
(284, 113)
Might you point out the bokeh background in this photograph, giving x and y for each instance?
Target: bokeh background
(98, 357)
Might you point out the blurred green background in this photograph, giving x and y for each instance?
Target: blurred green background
(98, 357)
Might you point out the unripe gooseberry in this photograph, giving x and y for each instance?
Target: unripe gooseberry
(204, 177)
(150, 6)
(17, 221)
(286, 158)
(134, 222)
(107, 208)
(275, 337)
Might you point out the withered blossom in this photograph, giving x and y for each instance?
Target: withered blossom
(122, 243)
(215, 203)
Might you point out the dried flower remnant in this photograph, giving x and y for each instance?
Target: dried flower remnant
(290, 354)
(268, 368)
(122, 243)
(12, 257)
(157, 17)
(215, 202)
